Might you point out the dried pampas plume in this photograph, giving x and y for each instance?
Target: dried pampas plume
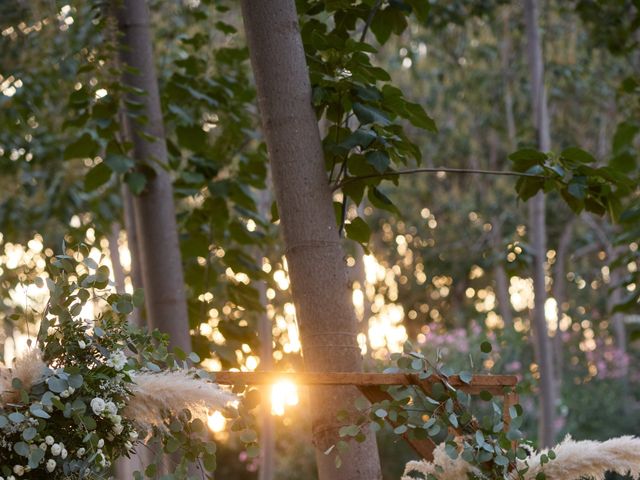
(28, 368)
(574, 460)
(155, 394)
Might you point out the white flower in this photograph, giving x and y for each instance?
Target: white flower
(42, 446)
(82, 344)
(11, 477)
(128, 445)
(116, 419)
(133, 435)
(51, 465)
(100, 443)
(80, 452)
(98, 405)
(65, 393)
(71, 389)
(49, 440)
(111, 408)
(64, 453)
(18, 470)
(56, 449)
(117, 360)
(117, 429)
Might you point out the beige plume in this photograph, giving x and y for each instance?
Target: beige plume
(574, 461)
(28, 368)
(155, 394)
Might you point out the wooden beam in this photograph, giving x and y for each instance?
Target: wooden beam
(491, 383)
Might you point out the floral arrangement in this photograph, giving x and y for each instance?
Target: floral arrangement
(572, 461)
(90, 392)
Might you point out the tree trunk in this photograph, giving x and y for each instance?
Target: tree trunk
(560, 295)
(501, 277)
(160, 261)
(114, 255)
(136, 317)
(314, 253)
(265, 333)
(505, 60)
(537, 230)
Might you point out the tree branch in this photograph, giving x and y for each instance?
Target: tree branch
(410, 171)
(372, 14)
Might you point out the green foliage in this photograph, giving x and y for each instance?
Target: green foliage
(444, 414)
(71, 420)
(598, 190)
(362, 111)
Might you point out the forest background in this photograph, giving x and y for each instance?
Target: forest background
(437, 255)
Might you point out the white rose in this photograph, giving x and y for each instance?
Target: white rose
(98, 405)
(18, 470)
(80, 452)
(82, 344)
(100, 443)
(133, 435)
(48, 440)
(65, 393)
(51, 465)
(42, 446)
(117, 429)
(111, 408)
(56, 449)
(64, 453)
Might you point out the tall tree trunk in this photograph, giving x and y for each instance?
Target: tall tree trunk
(135, 273)
(560, 296)
(114, 255)
(537, 230)
(501, 277)
(265, 332)
(314, 253)
(505, 60)
(160, 261)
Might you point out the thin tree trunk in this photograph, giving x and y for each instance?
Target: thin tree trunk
(560, 296)
(505, 54)
(537, 231)
(501, 277)
(136, 317)
(160, 261)
(114, 254)
(265, 332)
(314, 253)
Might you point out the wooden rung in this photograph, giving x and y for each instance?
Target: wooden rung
(491, 383)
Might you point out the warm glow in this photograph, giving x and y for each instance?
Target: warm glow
(216, 422)
(284, 394)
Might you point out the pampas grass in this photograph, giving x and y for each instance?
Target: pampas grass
(574, 460)
(28, 368)
(156, 394)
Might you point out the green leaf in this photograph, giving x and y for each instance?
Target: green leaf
(577, 155)
(83, 147)
(97, 176)
(358, 230)
(378, 159)
(136, 181)
(466, 377)
(368, 114)
(21, 449)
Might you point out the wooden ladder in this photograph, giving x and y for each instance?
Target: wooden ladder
(370, 385)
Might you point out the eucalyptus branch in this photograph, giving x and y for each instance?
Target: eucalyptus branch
(410, 171)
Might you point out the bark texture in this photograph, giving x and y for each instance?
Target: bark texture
(160, 261)
(319, 285)
(537, 231)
